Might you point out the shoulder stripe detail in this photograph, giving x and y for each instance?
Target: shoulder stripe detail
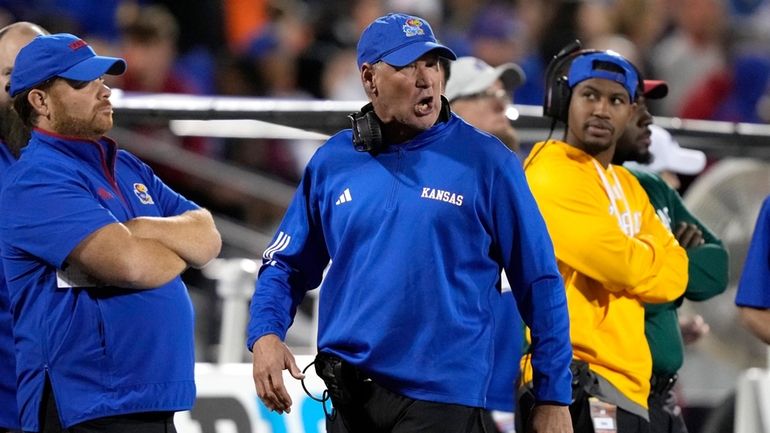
(280, 244)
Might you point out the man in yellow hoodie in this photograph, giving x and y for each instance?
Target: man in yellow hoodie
(613, 252)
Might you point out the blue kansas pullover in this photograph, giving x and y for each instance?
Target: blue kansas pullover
(418, 235)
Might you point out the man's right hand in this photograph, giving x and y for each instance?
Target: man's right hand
(270, 357)
(550, 418)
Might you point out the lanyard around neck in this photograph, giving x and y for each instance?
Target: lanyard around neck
(614, 194)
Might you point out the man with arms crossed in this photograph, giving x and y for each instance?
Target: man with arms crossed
(418, 229)
(93, 244)
(707, 269)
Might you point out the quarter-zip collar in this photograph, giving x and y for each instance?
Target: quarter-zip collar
(424, 138)
(100, 154)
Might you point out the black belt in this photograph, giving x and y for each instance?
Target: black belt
(661, 384)
(581, 379)
(346, 385)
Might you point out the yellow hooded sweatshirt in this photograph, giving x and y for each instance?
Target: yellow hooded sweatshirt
(614, 255)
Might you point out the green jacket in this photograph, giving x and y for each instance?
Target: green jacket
(708, 276)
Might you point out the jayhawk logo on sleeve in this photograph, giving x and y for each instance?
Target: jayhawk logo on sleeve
(141, 191)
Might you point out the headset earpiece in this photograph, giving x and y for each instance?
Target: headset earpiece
(561, 94)
(367, 131)
(557, 91)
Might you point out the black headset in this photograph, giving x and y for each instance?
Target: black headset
(367, 127)
(557, 90)
(367, 130)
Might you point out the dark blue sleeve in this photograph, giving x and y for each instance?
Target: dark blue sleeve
(48, 211)
(754, 287)
(292, 264)
(170, 202)
(530, 264)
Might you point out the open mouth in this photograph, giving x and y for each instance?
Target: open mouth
(424, 106)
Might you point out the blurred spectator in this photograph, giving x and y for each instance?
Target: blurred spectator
(458, 18)
(96, 19)
(496, 34)
(593, 19)
(200, 22)
(243, 19)
(274, 52)
(149, 36)
(692, 52)
(541, 18)
(481, 95)
(642, 21)
(732, 93)
(337, 76)
(340, 70)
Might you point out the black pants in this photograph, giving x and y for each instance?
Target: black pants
(145, 422)
(665, 414)
(382, 411)
(580, 411)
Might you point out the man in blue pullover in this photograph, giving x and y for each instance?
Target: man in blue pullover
(92, 246)
(753, 296)
(13, 136)
(418, 229)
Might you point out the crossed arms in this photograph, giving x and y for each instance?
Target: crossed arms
(147, 252)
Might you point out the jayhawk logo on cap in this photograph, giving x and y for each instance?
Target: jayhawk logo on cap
(141, 191)
(413, 27)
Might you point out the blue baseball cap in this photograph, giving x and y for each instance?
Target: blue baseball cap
(398, 40)
(60, 55)
(584, 67)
